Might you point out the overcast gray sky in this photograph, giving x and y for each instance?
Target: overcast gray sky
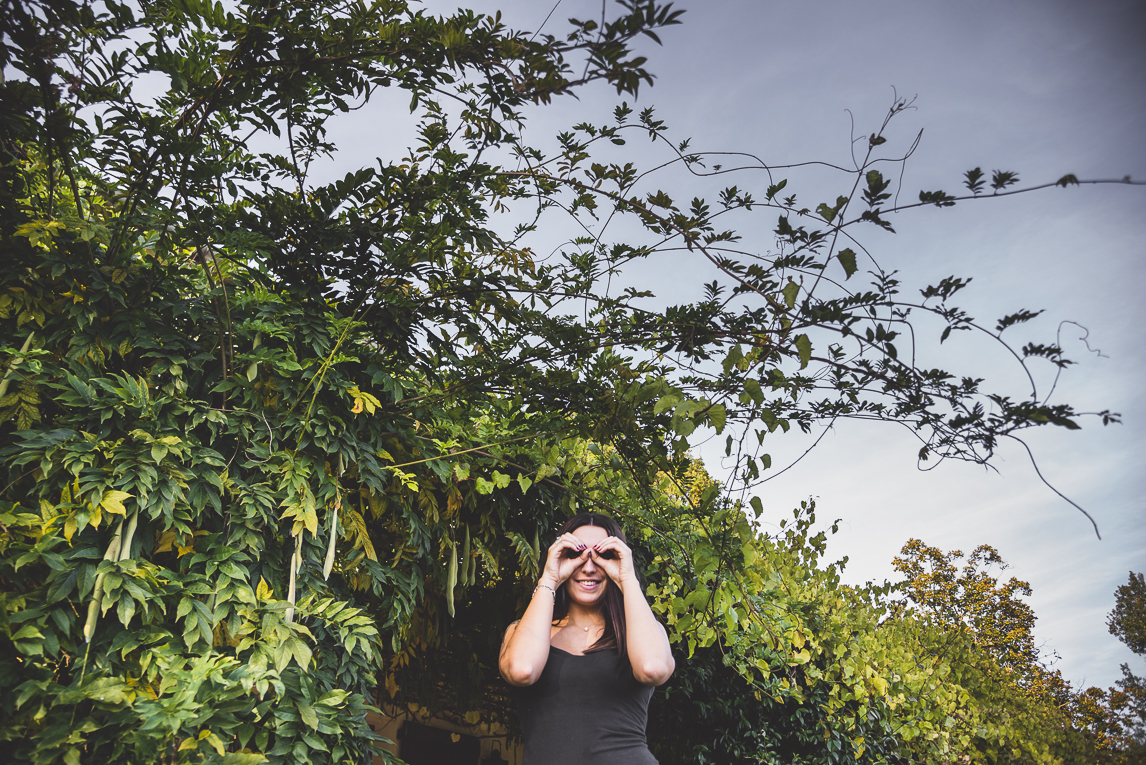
(1044, 87)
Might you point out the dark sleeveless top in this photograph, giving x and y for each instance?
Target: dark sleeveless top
(584, 710)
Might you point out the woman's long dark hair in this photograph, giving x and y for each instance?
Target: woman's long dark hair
(614, 634)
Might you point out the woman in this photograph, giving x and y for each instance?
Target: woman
(587, 654)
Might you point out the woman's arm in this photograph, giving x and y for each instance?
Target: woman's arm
(645, 638)
(525, 648)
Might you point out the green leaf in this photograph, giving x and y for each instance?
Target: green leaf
(243, 758)
(126, 609)
(754, 390)
(300, 650)
(27, 632)
(717, 416)
(500, 480)
(483, 486)
(184, 608)
(847, 258)
(804, 347)
(282, 656)
(308, 715)
(734, 358)
(334, 698)
(667, 401)
(790, 292)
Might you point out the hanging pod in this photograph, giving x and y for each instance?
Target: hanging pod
(117, 550)
(125, 545)
(466, 581)
(329, 563)
(295, 564)
(451, 578)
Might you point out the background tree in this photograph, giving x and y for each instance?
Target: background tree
(1128, 622)
(1117, 716)
(974, 601)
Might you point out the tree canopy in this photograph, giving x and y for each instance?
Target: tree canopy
(270, 445)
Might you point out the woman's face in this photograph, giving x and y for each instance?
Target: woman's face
(586, 586)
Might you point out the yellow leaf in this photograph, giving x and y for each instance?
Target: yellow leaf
(113, 502)
(264, 590)
(190, 546)
(363, 400)
(216, 743)
(166, 540)
(310, 519)
(356, 525)
(372, 403)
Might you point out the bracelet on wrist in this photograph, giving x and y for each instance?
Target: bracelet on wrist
(540, 586)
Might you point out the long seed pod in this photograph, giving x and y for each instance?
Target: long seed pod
(97, 591)
(536, 547)
(473, 577)
(451, 578)
(295, 563)
(125, 546)
(328, 564)
(465, 581)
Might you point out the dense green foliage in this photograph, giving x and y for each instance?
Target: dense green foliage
(273, 450)
(1118, 715)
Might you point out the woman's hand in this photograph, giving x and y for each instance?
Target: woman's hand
(558, 565)
(614, 557)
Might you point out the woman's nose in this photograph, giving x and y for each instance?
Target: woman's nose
(590, 565)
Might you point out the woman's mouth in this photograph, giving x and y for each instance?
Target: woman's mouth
(589, 585)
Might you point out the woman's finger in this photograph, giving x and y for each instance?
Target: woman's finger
(566, 542)
(565, 554)
(574, 540)
(614, 557)
(612, 543)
